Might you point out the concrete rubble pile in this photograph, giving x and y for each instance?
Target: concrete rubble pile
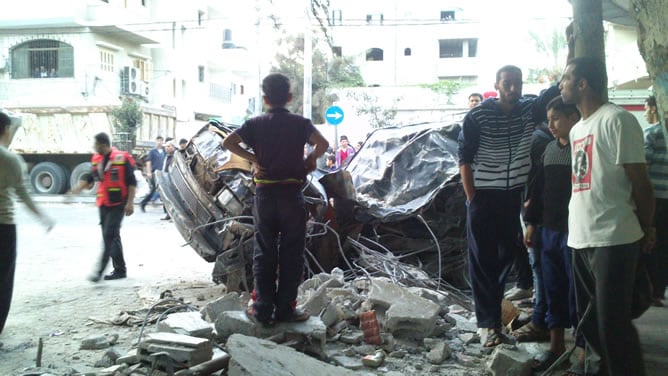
(364, 326)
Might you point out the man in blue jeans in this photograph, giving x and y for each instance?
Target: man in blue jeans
(277, 139)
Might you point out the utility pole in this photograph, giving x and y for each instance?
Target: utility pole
(588, 29)
(308, 61)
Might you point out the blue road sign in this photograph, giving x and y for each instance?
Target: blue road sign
(334, 115)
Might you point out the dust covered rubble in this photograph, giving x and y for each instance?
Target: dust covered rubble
(413, 331)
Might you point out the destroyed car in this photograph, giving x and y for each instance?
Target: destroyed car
(396, 209)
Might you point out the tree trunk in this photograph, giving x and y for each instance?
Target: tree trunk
(588, 29)
(651, 16)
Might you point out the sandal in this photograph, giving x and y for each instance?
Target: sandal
(493, 338)
(544, 361)
(531, 333)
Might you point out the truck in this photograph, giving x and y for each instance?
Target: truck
(57, 142)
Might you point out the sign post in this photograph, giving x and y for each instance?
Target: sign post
(334, 116)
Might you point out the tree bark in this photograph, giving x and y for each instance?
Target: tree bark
(588, 29)
(651, 16)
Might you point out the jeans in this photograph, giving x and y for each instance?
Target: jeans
(7, 269)
(280, 236)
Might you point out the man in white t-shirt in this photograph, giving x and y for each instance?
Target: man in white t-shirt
(610, 216)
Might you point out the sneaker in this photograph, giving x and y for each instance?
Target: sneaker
(166, 218)
(142, 206)
(95, 277)
(518, 294)
(115, 275)
(297, 315)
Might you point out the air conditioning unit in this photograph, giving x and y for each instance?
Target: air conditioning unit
(130, 83)
(144, 89)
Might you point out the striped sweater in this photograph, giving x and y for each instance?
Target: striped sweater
(497, 144)
(656, 154)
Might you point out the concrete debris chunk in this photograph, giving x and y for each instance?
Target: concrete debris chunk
(439, 353)
(129, 358)
(108, 359)
(277, 360)
(181, 348)
(408, 314)
(188, 323)
(227, 302)
(97, 342)
(509, 361)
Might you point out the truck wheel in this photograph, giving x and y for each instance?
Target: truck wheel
(48, 177)
(77, 175)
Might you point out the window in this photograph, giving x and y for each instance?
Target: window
(200, 73)
(473, 47)
(449, 48)
(106, 60)
(200, 15)
(42, 58)
(227, 39)
(374, 54)
(407, 52)
(369, 18)
(336, 17)
(145, 68)
(447, 15)
(336, 51)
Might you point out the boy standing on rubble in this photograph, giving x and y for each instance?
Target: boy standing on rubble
(277, 140)
(548, 206)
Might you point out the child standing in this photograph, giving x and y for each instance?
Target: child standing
(548, 204)
(277, 140)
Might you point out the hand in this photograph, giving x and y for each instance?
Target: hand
(648, 241)
(310, 163)
(47, 222)
(528, 236)
(149, 174)
(129, 209)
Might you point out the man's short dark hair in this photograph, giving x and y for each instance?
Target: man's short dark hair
(343, 138)
(103, 139)
(276, 88)
(183, 141)
(557, 104)
(4, 122)
(159, 138)
(476, 95)
(591, 69)
(651, 101)
(508, 69)
(331, 157)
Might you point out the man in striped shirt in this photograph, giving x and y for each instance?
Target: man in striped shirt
(656, 154)
(494, 163)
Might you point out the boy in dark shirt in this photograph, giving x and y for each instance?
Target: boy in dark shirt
(277, 140)
(548, 205)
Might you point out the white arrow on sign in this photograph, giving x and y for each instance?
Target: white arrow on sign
(335, 115)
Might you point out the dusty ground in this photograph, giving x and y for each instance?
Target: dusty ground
(54, 301)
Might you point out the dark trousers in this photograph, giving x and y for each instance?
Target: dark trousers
(558, 279)
(522, 264)
(540, 304)
(604, 278)
(280, 230)
(7, 269)
(153, 187)
(657, 265)
(492, 221)
(111, 218)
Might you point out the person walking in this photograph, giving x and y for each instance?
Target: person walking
(277, 140)
(170, 148)
(113, 169)
(656, 154)
(610, 217)
(494, 163)
(154, 162)
(12, 184)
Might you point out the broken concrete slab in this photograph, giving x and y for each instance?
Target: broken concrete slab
(407, 314)
(181, 348)
(227, 302)
(509, 361)
(188, 323)
(439, 353)
(276, 360)
(97, 342)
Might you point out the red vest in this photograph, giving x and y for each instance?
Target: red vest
(112, 189)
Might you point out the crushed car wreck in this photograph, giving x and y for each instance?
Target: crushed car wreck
(396, 210)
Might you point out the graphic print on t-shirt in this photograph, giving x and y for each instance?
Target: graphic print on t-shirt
(582, 161)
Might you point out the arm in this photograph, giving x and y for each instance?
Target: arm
(131, 182)
(22, 193)
(321, 145)
(534, 206)
(231, 143)
(148, 167)
(648, 144)
(643, 196)
(86, 183)
(467, 142)
(130, 205)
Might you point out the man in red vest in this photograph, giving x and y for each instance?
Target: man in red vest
(113, 169)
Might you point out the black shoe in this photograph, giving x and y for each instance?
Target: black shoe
(115, 275)
(142, 206)
(95, 277)
(166, 218)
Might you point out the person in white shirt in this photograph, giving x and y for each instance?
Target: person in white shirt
(610, 216)
(12, 182)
